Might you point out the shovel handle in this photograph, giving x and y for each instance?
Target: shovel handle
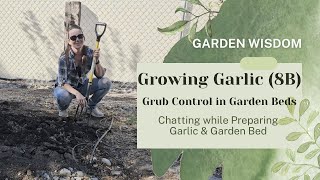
(93, 65)
(104, 25)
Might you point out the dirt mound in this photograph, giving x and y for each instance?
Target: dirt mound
(34, 140)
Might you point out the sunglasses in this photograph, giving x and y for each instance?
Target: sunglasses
(79, 36)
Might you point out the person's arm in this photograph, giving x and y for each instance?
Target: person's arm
(70, 89)
(62, 72)
(80, 98)
(64, 82)
(99, 70)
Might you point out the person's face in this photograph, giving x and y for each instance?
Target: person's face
(76, 38)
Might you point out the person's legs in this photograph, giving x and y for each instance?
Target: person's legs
(99, 88)
(63, 98)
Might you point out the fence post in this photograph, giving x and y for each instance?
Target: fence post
(72, 16)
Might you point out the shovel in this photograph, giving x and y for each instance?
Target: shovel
(99, 29)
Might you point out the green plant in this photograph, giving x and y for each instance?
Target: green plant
(180, 25)
(283, 166)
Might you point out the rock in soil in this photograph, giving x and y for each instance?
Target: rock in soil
(79, 174)
(116, 173)
(106, 161)
(65, 172)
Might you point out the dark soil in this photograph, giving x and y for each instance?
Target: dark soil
(33, 137)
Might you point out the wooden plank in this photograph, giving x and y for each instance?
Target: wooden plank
(72, 16)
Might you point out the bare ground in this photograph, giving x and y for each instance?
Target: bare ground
(36, 143)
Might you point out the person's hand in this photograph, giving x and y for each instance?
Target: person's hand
(81, 100)
(96, 55)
